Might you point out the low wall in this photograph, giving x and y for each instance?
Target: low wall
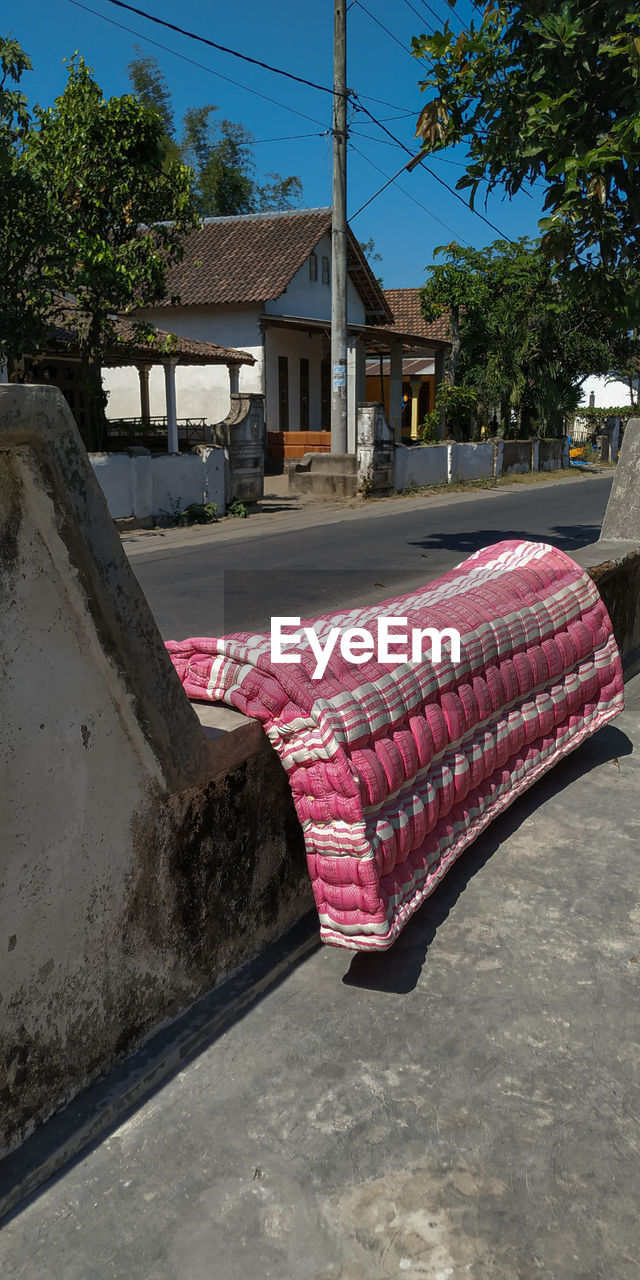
(550, 455)
(140, 485)
(140, 862)
(471, 461)
(516, 457)
(418, 465)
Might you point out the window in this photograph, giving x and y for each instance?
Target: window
(304, 395)
(313, 267)
(283, 393)
(325, 270)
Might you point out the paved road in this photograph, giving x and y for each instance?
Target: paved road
(237, 583)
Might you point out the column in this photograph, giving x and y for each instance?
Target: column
(395, 390)
(415, 392)
(172, 417)
(143, 374)
(234, 378)
(438, 370)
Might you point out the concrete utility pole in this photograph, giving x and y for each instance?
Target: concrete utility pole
(339, 234)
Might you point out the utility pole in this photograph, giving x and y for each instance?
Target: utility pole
(339, 234)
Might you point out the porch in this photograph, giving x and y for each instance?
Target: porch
(402, 370)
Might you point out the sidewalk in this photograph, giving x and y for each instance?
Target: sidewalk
(279, 513)
(465, 1104)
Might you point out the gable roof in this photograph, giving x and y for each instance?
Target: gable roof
(408, 318)
(253, 257)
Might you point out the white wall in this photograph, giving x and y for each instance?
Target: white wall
(608, 395)
(296, 345)
(143, 486)
(202, 391)
(306, 297)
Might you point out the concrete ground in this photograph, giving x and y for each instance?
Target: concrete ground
(464, 1105)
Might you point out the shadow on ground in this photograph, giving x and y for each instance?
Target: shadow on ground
(398, 970)
(565, 537)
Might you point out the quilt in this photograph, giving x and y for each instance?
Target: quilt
(397, 762)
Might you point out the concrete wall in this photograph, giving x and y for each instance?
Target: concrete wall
(470, 461)
(550, 455)
(147, 485)
(516, 456)
(418, 465)
(139, 863)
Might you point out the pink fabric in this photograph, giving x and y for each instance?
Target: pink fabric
(395, 769)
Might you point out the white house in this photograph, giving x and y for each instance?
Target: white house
(262, 283)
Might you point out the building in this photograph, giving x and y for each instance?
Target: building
(262, 283)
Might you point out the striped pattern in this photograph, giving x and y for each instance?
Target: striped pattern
(396, 768)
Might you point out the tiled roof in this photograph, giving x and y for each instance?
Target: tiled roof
(131, 344)
(408, 318)
(185, 350)
(253, 258)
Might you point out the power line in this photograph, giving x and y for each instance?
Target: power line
(405, 111)
(292, 137)
(404, 191)
(418, 160)
(212, 44)
(387, 32)
(200, 65)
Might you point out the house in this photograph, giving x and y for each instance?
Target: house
(262, 283)
(138, 356)
(421, 371)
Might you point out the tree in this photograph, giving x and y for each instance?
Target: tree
(219, 151)
(115, 214)
(24, 293)
(546, 90)
(520, 335)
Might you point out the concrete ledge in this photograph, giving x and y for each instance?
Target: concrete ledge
(104, 1106)
(614, 566)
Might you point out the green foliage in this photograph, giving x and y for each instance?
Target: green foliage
(523, 337)
(100, 215)
(373, 258)
(179, 517)
(219, 151)
(456, 407)
(24, 292)
(238, 509)
(547, 91)
(595, 417)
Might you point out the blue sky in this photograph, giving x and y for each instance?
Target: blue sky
(296, 35)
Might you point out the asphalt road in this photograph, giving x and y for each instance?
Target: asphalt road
(238, 584)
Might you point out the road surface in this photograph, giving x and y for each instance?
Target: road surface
(242, 575)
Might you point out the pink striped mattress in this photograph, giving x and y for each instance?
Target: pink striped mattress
(396, 768)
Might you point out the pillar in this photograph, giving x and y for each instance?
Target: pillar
(438, 371)
(395, 391)
(172, 417)
(143, 374)
(234, 379)
(415, 392)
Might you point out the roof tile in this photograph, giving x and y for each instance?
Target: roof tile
(408, 318)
